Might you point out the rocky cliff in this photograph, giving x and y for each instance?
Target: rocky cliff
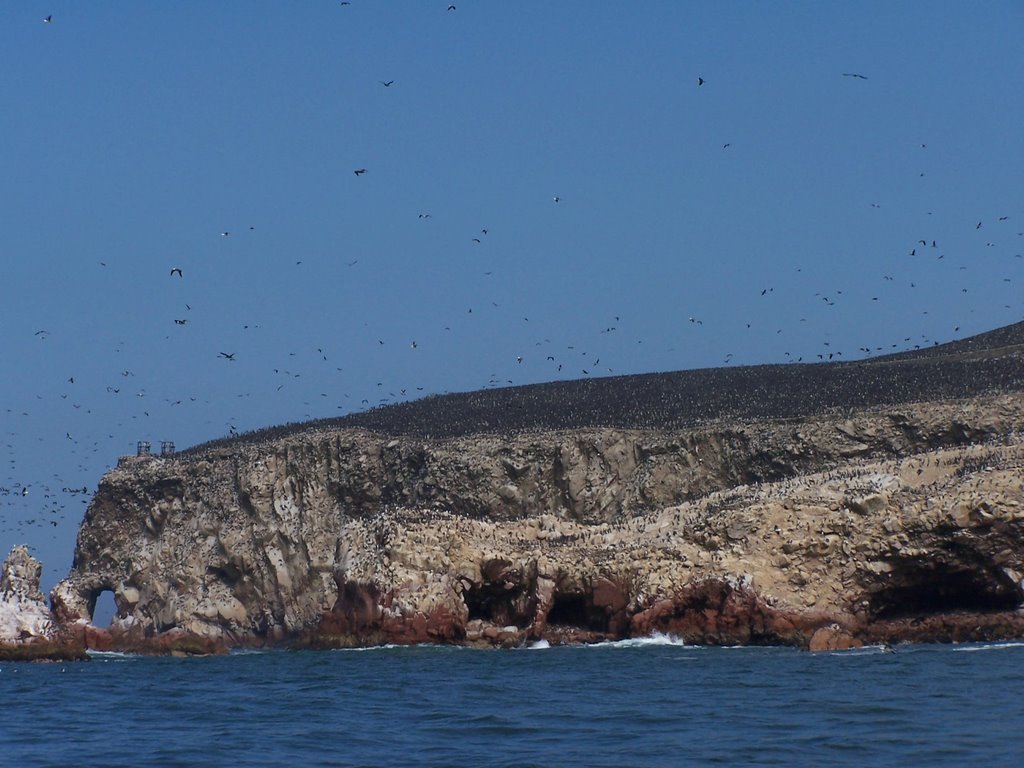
(821, 516)
(27, 628)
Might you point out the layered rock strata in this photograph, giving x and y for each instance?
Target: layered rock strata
(846, 527)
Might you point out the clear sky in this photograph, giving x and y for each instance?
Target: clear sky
(543, 180)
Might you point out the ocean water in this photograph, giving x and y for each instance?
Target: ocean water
(637, 703)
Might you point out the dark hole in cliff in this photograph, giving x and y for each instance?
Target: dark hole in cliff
(503, 608)
(573, 610)
(924, 589)
(104, 609)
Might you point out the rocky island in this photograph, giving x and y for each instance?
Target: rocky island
(821, 506)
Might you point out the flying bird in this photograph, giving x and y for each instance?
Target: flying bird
(557, 199)
(854, 74)
(48, 19)
(700, 81)
(227, 355)
(359, 171)
(387, 83)
(175, 270)
(180, 322)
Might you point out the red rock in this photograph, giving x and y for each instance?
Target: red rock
(833, 638)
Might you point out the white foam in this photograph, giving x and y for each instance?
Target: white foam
(109, 655)
(990, 647)
(655, 639)
(360, 648)
(539, 645)
(865, 650)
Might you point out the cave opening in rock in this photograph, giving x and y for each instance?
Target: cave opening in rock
(497, 607)
(104, 609)
(922, 589)
(573, 610)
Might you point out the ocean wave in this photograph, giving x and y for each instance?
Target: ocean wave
(656, 639)
(864, 650)
(385, 647)
(110, 655)
(989, 647)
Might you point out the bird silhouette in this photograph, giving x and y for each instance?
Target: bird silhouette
(359, 171)
(387, 83)
(228, 355)
(176, 270)
(854, 74)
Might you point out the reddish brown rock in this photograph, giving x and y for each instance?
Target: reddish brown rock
(833, 638)
(715, 612)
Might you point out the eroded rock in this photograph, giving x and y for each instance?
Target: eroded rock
(724, 533)
(28, 630)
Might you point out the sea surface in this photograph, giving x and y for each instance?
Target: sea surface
(653, 702)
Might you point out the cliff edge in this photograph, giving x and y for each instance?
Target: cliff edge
(821, 506)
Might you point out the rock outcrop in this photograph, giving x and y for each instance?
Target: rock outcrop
(877, 522)
(27, 628)
(844, 524)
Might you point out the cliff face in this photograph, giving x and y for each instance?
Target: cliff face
(903, 521)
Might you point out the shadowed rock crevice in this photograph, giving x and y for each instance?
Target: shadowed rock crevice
(924, 587)
(573, 611)
(503, 597)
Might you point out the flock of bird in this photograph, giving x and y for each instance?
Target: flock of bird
(30, 504)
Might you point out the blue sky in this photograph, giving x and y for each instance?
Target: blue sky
(780, 204)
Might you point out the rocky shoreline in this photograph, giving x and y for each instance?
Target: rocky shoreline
(891, 525)
(895, 522)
